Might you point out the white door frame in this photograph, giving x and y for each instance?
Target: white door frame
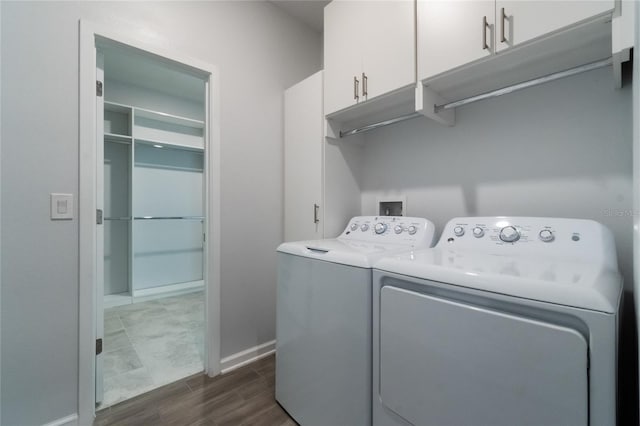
(89, 34)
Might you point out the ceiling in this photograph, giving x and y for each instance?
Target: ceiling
(309, 12)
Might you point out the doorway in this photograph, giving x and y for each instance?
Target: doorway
(149, 219)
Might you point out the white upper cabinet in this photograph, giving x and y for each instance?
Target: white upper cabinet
(519, 21)
(342, 54)
(369, 50)
(457, 32)
(453, 33)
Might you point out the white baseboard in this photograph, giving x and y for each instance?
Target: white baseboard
(71, 420)
(247, 356)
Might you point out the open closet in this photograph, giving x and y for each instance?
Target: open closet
(153, 194)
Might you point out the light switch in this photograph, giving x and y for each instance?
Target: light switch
(61, 206)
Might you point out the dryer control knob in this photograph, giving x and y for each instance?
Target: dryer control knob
(546, 236)
(354, 226)
(412, 229)
(459, 231)
(478, 232)
(398, 229)
(380, 228)
(509, 234)
(364, 227)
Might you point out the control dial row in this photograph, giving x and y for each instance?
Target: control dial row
(381, 228)
(508, 234)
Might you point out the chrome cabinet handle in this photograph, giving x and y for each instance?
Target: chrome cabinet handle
(503, 17)
(364, 85)
(356, 88)
(315, 213)
(485, 24)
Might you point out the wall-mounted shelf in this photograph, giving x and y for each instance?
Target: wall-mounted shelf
(579, 48)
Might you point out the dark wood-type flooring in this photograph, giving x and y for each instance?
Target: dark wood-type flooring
(245, 396)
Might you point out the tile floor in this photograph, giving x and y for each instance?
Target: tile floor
(151, 344)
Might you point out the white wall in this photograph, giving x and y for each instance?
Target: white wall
(259, 50)
(558, 150)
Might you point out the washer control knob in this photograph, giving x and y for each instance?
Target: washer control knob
(459, 231)
(546, 236)
(478, 232)
(354, 226)
(398, 229)
(509, 234)
(380, 228)
(364, 227)
(412, 229)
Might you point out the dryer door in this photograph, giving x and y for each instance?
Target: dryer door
(448, 363)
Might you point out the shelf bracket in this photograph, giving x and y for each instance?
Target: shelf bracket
(426, 99)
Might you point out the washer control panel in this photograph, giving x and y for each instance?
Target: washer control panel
(527, 234)
(415, 231)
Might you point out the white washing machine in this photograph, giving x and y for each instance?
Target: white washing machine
(323, 326)
(506, 321)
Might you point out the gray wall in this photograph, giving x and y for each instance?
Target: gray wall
(259, 50)
(559, 150)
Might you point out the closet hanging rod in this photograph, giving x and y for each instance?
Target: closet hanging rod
(169, 218)
(117, 218)
(380, 124)
(529, 83)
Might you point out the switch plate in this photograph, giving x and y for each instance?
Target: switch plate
(61, 206)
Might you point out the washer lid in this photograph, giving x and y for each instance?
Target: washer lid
(587, 285)
(347, 252)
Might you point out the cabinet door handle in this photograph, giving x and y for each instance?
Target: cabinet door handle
(485, 24)
(364, 85)
(356, 88)
(503, 18)
(315, 213)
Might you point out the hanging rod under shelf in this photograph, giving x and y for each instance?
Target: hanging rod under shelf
(529, 83)
(169, 218)
(380, 124)
(157, 218)
(499, 92)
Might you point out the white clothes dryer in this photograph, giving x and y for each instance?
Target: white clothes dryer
(506, 321)
(323, 321)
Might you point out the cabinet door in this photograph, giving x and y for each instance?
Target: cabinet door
(303, 139)
(453, 33)
(527, 20)
(343, 24)
(388, 45)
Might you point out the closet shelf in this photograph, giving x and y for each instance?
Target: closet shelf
(168, 145)
(115, 107)
(114, 137)
(169, 118)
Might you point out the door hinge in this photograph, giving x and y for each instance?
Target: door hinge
(98, 88)
(204, 237)
(98, 346)
(99, 216)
